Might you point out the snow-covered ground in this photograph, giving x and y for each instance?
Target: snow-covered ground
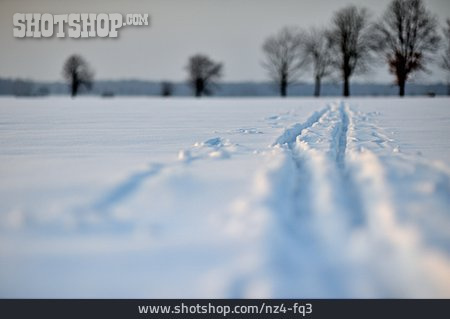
(135, 197)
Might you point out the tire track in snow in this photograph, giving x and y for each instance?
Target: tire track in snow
(331, 195)
(299, 222)
(351, 194)
(333, 205)
(266, 222)
(342, 140)
(321, 151)
(289, 136)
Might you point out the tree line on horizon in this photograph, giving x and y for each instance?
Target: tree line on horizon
(406, 37)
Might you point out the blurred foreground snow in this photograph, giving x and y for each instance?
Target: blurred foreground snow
(224, 198)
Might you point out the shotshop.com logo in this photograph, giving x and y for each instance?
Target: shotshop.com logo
(74, 25)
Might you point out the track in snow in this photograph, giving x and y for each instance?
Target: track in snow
(355, 199)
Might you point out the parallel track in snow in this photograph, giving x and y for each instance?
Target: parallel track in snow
(355, 190)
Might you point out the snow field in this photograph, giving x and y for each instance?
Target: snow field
(223, 198)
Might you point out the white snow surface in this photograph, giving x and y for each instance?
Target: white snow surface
(224, 198)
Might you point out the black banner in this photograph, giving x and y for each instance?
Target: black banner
(223, 308)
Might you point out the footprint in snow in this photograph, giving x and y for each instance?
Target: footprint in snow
(217, 148)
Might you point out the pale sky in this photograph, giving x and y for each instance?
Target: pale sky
(230, 31)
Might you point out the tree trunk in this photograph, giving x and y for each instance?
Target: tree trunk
(283, 88)
(317, 87)
(73, 85)
(402, 75)
(401, 87)
(199, 87)
(346, 92)
(74, 89)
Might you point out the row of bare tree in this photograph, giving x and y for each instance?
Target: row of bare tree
(406, 37)
(203, 75)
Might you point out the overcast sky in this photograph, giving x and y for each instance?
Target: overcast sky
(230, 31)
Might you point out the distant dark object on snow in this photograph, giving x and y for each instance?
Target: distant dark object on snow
(166, 89)
(107, 94)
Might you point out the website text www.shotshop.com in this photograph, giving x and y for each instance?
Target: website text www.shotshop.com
(303, 309)
(77, 25)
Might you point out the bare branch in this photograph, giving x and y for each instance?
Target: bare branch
(446, 56)
(316, 51)
(283, 59)
(351, 42)
(407, 37)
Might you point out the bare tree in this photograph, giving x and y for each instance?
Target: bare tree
(446, 56)
(316, 51)
(78, 73)
(203, 74)
(350, 39)
(166, 89)
(406, 34)
(283, 59)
